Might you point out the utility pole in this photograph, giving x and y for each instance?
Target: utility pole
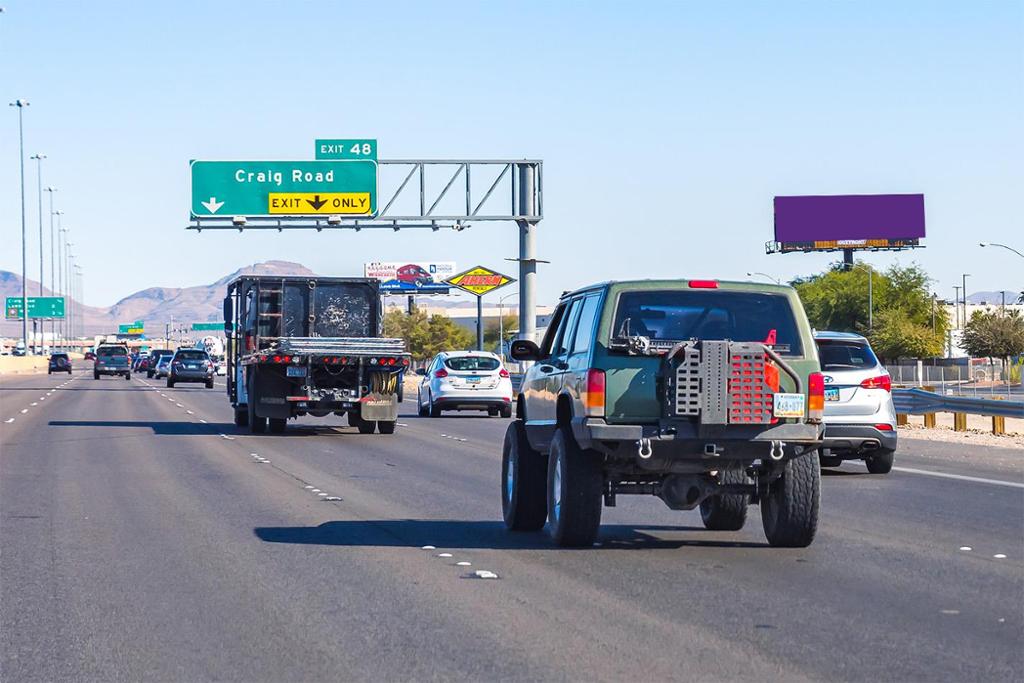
(53, 268)
(21, 104)
(38, 158)
(965, 276)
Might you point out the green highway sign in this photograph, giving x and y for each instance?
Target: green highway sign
(346, 149)
(207, 326)
(136, 327)
(284, 188)
(38, 307)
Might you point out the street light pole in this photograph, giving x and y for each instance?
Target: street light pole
(996, 244)
(21, 104)
(965, 276)
(61, 231)
(956, 304)
(38, 158)
(773, 279)
(53, 268)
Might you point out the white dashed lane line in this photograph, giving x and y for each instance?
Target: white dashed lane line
(9, 421)
(959, 477)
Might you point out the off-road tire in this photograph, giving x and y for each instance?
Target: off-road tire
(574, 488)
(880, 462)
(241, 417)
(524, 501)
(277, 425)
(726, 511)
(789, 510)
(386, 426)
(506, 411)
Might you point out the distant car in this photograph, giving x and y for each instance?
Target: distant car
(191, 365)
(465, 380)
(414, 275)
(19, 349)
(112, 359)
(163, 366)
(89, 355)
(59, 362)
(154, 358)
(141, 363)
(860, 419)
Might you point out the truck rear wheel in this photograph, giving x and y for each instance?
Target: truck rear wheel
(257, 424)
(356, 420)
(574, 492)
(386, 426)
(277, 425)
(726, 511)
(789, 511)
(241, 417)
(524, 504)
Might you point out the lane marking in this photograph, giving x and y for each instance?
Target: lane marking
(444, 554)
(9, 421)
(24, 410)
(960, 477)
(999, 556)
(33, 404)
(965, 547)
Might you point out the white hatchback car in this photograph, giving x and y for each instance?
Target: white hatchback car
(465, 380)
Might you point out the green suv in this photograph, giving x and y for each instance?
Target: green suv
(700, 392)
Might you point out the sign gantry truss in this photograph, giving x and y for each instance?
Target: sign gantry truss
(411, 196)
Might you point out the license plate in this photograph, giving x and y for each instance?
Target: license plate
(294, 371)
(473, 380)
(192, 366)
(831, 394)
(789, 405)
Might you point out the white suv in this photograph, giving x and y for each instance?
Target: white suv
(860, 419)
(465, 380)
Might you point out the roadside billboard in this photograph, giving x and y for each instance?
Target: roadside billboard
(835, 222)
(411, 277)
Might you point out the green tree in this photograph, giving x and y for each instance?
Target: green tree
(991, 335)
(509, 324)
(907, 322)
(426, 336)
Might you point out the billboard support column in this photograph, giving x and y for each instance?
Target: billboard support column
(479, 323)
(848, 259)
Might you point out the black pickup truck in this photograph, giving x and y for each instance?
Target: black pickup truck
(310, 346)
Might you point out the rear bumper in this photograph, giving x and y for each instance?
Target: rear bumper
(191, 376)
(854, 440)
(112, 370)
(471, 402)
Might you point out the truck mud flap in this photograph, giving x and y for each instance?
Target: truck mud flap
(379, 407)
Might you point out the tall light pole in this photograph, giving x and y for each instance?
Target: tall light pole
(70, 287)
(965, 276)
(21, 104)
(61, 232)
(956, 304)
(995, 244)
(773, 279)
(38, 158)
(80, 280)
(53, 266)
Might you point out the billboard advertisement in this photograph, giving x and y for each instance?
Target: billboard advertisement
(831, 222)
(411, 277)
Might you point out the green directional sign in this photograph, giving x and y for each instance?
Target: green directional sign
(38, 307)
(346, 149)
(137, 327)
(284, 188)
(207, 326)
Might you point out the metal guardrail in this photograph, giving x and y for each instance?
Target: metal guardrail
(920, 402)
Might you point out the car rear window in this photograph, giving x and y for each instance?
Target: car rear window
(192, 355)
(482, 363)
(679, 315)
(59, 356)
(845, 355)
(111, 351)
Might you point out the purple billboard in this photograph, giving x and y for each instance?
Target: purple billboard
(880, 221)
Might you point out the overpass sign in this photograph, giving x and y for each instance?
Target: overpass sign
(345, 187)
(38, 307)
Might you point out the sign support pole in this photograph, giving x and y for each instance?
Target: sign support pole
(527, 254)
(479, 323)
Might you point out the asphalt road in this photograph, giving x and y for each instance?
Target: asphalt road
(142, 536)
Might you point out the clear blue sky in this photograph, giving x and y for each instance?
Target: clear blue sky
(665, 128)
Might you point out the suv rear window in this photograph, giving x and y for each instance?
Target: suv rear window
(472, 363)
(111, 351)
(191, 355)
(845, 355)
(678, 315)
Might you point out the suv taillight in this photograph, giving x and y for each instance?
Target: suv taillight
(816, 396)
(593, 396)
(880, 382)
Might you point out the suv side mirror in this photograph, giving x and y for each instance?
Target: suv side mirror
(421, 372)
(227, 315)
(524, 349)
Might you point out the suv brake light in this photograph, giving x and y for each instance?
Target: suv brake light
(593, 396)
(816, 396)
(880, 382)
(703, 284)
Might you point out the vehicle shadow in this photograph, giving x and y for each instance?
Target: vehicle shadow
(184, 428)
(416, 533)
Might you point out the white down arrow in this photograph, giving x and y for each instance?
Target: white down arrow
(212, 205)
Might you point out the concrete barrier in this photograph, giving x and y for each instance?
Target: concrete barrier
(23, 365)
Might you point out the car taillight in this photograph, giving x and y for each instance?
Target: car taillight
(593, 396)
(883, 427)
(703, 284)
(880, 382)
(441, 373)
(816, 396)
(503, 373)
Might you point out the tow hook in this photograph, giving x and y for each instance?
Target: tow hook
(777, 451)
(644, 450)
